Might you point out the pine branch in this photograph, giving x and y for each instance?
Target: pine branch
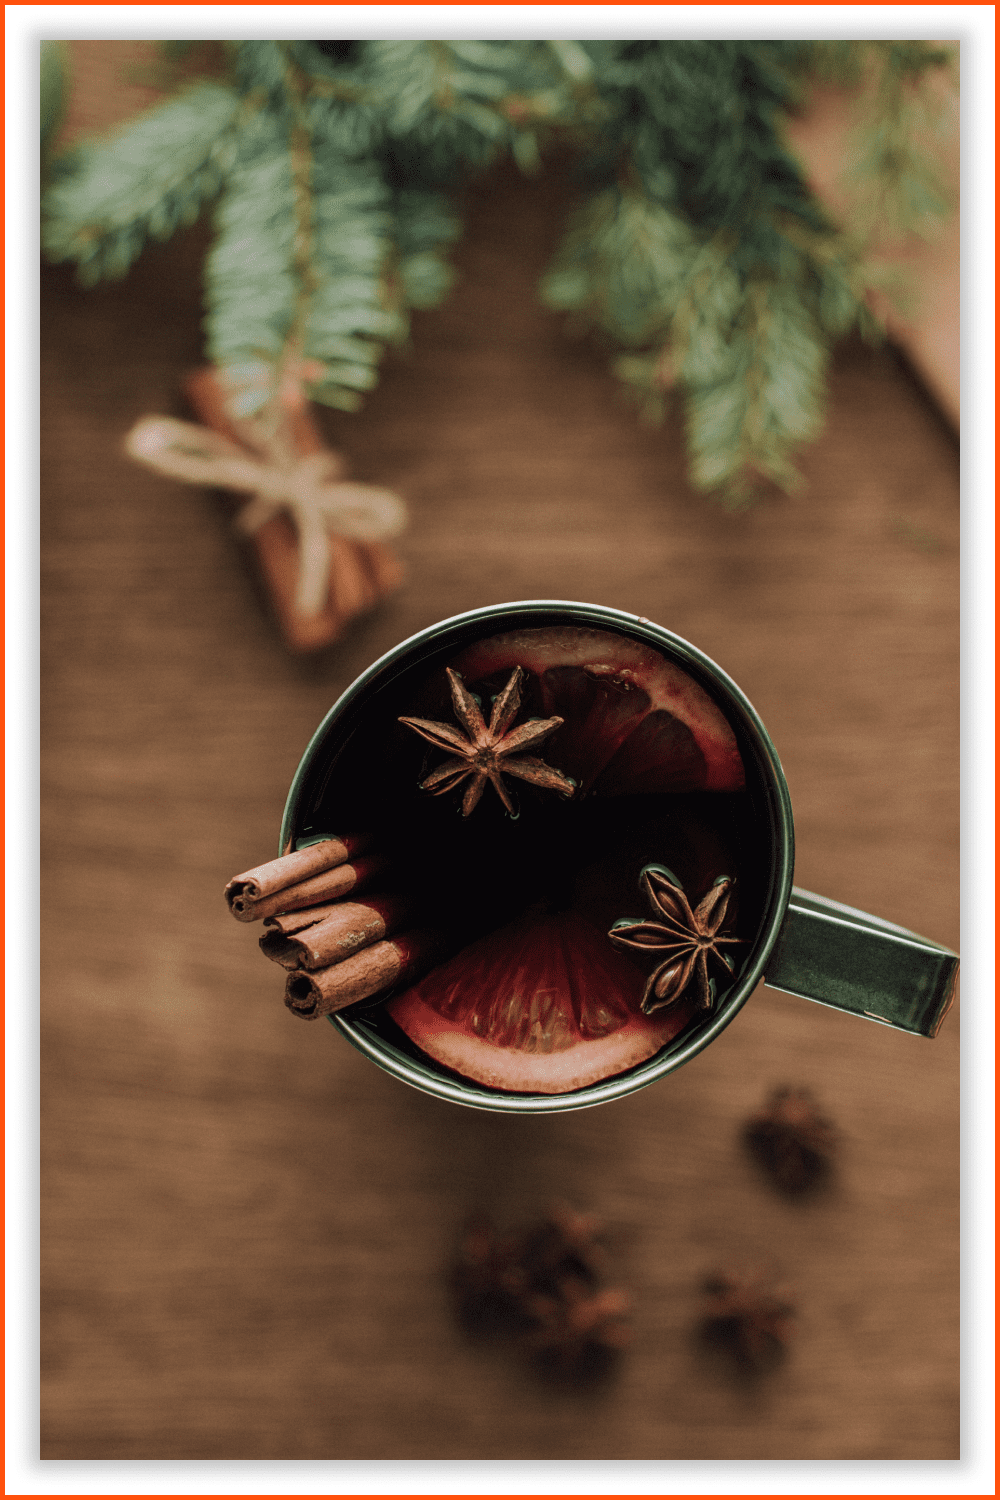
(151, 177)
(700, 252)
(258, 304)
(425, 225)
(747, 352)
(756, 397)
(349, 317)
(696, 121)
(250, 282)
(453, 105)
(622, 266)
(893, 181)
(710, 260)
(297, 271)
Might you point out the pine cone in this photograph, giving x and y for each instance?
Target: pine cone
(792, 1141)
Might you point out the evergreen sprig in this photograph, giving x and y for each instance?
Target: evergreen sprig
(698, 252)
(425, 227)
(349, 316)
(708, 257)
(445, 103)
(894, 184)
(148, 179)
(336, 256)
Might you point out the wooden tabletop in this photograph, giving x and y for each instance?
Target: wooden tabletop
(246, 1225)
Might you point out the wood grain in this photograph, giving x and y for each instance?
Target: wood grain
(245, 1223)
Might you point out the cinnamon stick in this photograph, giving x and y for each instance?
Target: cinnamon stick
(343, 929)
(328, 886)
(245, 892)
(326, 991)
(288, 922)
(361, 573)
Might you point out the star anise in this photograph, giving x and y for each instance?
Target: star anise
(792, 1141)
(578, 1329)
(579, 1323)
(544, 1289)
(748, 1315)
(488, 753)
(686, 938)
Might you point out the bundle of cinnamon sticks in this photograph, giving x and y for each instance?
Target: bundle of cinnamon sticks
(361, 574)
(336, 950)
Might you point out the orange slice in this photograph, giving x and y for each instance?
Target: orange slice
(544, 1005)
(634, 722)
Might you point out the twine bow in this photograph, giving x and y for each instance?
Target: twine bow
(313, 493)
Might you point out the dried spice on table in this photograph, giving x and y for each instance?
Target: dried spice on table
(545, 1292)
(792, 1141)
(747, 1317)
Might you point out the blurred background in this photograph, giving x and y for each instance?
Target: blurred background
(247, 1226)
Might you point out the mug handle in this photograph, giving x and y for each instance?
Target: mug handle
(855, 962)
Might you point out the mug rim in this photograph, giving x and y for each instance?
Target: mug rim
(503, 617)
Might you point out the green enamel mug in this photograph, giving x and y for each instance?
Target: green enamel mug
(797, 942)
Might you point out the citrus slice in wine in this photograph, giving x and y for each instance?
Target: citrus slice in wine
(544, 1005)
(634, 722)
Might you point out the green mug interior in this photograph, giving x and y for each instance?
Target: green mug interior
(333, 778)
